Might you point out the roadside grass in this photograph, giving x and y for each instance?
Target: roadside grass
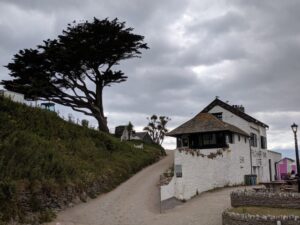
(266, 211)
(40, 151)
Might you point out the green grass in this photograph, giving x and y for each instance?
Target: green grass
(266, 211)
(40, 151)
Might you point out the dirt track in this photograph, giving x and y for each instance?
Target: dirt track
(137, 202)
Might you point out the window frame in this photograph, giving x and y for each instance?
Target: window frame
(182, 141)
(218, 115)
(263, 142)
(253, 139)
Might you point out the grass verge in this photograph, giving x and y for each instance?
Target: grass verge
(46, 162)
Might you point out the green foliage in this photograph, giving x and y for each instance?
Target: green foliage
(41, 153)
(156, 128)
(73, 69)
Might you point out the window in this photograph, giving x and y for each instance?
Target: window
(253, 139)
(209, 139)
(218, 115)
(178, 170)
(185, 141)
(230, 138)
(239, 137)
(179, 142)
(263, 142)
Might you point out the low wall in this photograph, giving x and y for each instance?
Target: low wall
(268, 199)
(230, 218)
(167, 191)
(169, 203)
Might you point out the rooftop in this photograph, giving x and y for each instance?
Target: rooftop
(205, 122)
(233, 109)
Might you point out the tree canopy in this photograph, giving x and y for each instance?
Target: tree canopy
(73, 69)
(156, 128)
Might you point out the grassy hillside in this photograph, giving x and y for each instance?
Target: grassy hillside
(45, 162)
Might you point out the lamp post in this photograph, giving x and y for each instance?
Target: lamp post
(294, 128)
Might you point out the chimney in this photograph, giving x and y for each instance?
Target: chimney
(239, 107)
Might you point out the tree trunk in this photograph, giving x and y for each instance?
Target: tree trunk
(102, 124)
(102, 121)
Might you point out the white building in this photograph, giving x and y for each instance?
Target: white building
(217, 148)
(16, 97)
(123, 133)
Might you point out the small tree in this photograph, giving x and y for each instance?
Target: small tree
(156, 128)
(73, 69)
(129, 130)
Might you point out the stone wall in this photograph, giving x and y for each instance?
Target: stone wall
(268, 199)
(230, 218)
(33, 201)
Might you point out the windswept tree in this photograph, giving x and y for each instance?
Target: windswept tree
(73, 69)
(156, 128)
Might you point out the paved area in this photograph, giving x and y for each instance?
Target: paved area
(136, 202)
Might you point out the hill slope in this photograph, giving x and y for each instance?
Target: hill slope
(46, 162)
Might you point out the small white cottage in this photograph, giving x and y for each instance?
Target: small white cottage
(217, 148)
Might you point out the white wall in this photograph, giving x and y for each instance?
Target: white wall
(167, 191)
(16, 97)
(274, 157)
(259, 156)
(200, 174)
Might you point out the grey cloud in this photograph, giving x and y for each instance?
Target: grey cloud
(230, 21)
(259, 41)
(47, 6)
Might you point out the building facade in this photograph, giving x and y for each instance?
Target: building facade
(285, 167)
(217, 148)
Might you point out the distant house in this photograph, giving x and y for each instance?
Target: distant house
(218, 147)
(284, 167)
(16, 97)
(122, 133)
(143, 136)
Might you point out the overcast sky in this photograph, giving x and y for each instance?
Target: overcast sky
(246, 52)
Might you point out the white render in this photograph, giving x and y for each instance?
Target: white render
(167, 191)
(16, 97)
(274, 158)
(201, 174)
(259, 156)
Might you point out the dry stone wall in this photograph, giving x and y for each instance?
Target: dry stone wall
(268, 199)
(230, 218)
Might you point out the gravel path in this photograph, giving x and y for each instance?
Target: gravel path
(136, 202)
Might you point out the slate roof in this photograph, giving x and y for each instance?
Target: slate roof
(234, 111)
(141, 135)
(205, 122)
